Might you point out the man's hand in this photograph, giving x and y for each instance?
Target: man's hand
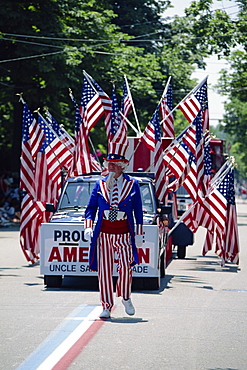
(88, 233)
(139, 240)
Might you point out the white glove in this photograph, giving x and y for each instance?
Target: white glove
(139, 240)
(88, 233)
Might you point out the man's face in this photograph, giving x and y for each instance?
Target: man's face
(114, 167)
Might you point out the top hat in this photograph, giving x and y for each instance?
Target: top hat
(116, 152)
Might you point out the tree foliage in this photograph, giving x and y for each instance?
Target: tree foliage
(215, 32)
(233, 85)
(44, 55)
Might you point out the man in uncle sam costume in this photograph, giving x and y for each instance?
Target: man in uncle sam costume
(117, 199)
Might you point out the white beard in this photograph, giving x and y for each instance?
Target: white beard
(110, 180)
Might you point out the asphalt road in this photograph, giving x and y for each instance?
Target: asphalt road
(196, 321)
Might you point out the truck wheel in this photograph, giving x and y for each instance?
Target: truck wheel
(181, 252)
(152, 283)
(53, 281)
(162, 265)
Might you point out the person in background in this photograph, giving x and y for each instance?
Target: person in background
(116, 198)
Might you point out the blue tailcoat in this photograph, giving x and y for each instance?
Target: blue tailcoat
(129, 202)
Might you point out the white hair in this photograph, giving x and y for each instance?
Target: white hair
(120, 163)
(109, 180)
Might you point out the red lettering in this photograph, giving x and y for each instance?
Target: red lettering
(55, 255)
(83, 254)
(144, 255)
(69, 256)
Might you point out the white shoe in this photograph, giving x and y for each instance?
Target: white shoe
(105, 314)
(129, 308)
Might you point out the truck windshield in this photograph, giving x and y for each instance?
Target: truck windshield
(147, 200)
(76, 195)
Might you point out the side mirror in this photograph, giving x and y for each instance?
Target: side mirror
(49, 207)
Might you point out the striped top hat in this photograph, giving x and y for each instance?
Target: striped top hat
(116, 152)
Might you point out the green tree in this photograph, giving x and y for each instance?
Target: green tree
(23, 72)
(214, 32)
(49, 53)
(233, 85)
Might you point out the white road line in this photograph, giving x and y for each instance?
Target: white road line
(64, 347)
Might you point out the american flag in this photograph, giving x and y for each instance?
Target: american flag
(57, 155)
(159, 164)
(202, 97)
(230, 237)
(126, 101)
(32, 138)
(178, 154)
(32, 212)
(91, 107)
(199, 158)
(213, 207)
(190, 107)
(166, 115)
(227, 240)
(81, 161)
(216, 203)
(153, 141)
(207, 162)
(198, 191)
(95, 164)
(118, 128)
(152, 132)
(181, 162)
(189, 177)
(105, 101)
(47, 173)
(63, 135)
(208, 243)
(67, 139)
(202, 147)
(31, 209)
(160, 176)
(196, 102)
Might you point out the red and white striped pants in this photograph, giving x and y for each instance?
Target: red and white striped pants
(108, 244)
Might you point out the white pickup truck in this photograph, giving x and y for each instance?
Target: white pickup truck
(65, 252)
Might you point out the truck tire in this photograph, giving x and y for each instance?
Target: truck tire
(152, 283)
(181, 251)
(53, 281)
(162, 265)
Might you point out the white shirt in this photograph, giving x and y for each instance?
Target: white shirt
(119, 186)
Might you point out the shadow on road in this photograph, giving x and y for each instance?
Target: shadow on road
(212, 264)
(86, 283)
(126, 320)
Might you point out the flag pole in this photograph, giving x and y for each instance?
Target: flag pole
(133, 107)
(131, 125)
(20, 97)
(165, 90)
(96, 157)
